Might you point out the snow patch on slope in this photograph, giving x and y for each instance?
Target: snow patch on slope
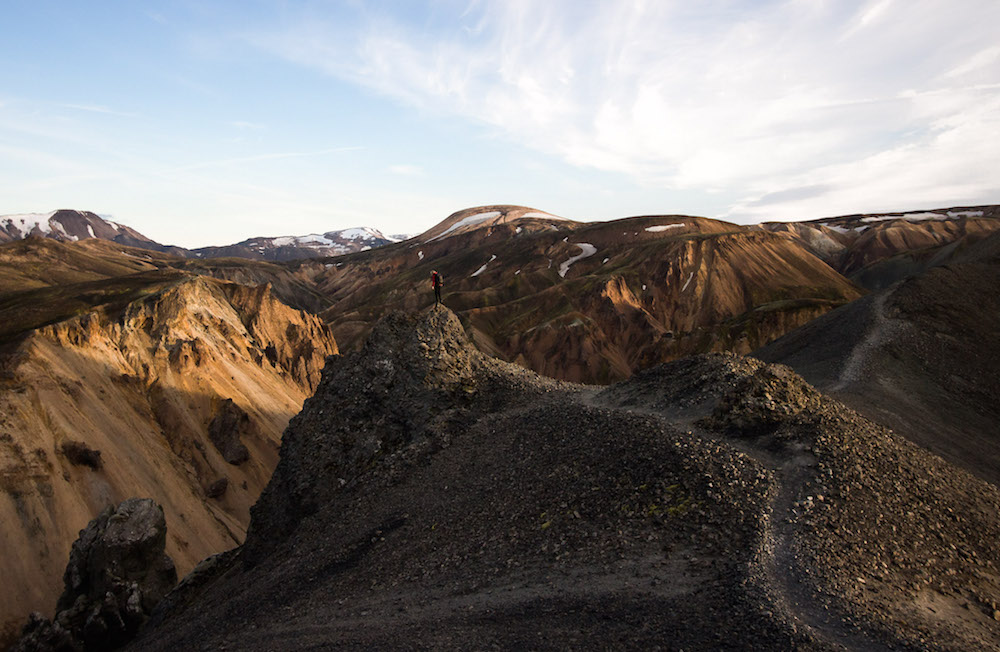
(663, 227)
(478, 218)
(586, 250)
(483, 268)
(313, 238)
(545, 216)
(27, 222)
(361, 233)
(910, 217)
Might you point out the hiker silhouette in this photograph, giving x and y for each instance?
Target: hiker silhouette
(436, 282)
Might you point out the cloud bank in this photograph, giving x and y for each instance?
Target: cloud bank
(800, 108)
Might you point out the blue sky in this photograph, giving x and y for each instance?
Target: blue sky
(204, 123)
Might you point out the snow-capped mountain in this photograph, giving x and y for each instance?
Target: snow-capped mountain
(314, 245)
(70, 226)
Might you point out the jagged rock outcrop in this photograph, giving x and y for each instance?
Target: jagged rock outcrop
(416, 381)
(117, 573)
(430, 496)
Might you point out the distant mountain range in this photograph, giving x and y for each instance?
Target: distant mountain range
(72, 225)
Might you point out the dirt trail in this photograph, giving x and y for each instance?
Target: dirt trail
(777, 560)
(882, 329)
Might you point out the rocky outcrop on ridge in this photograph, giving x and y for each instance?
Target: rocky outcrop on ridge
(430, 496)
(229, 423)
(117, 574)
(416, 382)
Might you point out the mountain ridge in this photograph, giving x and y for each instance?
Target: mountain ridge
(672, 284)
(716, 489)
(917, 356)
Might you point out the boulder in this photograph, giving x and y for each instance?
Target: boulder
(225, 429)
(117, 573)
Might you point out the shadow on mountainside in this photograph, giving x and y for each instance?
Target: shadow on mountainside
(429, 496)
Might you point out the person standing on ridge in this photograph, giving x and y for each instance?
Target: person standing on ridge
(436, 282)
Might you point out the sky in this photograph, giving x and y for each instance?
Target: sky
(204, 123)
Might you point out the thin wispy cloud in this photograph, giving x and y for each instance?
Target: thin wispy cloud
(271, 156)
(97, 108)
(406, 170)
(211, 121)
(865, 100)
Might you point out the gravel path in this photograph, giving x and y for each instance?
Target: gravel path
(780, 572)
(881, 330)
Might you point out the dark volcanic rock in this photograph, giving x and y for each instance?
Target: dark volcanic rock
(229, 422)
(80, 454)
(218, 488)
(415, 381)
(429, 496)
(920, 357)
(760, 403)
(117, 573)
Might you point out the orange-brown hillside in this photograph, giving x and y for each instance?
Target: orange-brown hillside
(161, 385)
(589, 302)
(878, 249)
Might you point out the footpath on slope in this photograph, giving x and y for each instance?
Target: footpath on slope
(791, 463)
(428, 495)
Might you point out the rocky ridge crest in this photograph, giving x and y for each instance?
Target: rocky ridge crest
(430, 495)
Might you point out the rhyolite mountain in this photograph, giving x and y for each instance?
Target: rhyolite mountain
(595, 302)
(122, 378)
(317, 245)
(589, 302)
(82, 320)
(72, 226)
(877, 249)
(44, 262)
(429, 496)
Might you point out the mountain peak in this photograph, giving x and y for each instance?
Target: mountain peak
(471, 219)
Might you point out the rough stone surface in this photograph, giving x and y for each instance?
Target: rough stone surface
(431, 497)
(218, 488)
(80, 454)
(229, 422)
(117, 573)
